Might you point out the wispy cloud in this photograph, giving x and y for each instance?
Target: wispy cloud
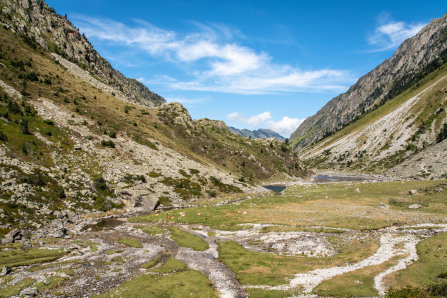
(214, 59)
(252, 121)
(185, 101)
(390, 34)
(284, 127)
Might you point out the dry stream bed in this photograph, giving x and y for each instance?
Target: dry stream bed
(326, 239)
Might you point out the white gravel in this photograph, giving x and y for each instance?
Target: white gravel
(308, 281)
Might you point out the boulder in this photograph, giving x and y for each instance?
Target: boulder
(59, 233)
(30, 292)
(383, 206)
(12, 236)
(138, 199)
(357, 190)
(415, 206)
(413, 192)
(5, 271)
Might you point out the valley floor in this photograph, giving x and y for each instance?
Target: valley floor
(329, 239)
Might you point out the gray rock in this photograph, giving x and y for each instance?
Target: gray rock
(413, 192)
(5, 271)
(357, 190)
(415, 206)
(31, 292)
(27, 245)
(12, 236)
(138, 198)
(383, 206)
(59, 233)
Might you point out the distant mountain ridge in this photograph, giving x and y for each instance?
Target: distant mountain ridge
(415, 58)
(258, 134)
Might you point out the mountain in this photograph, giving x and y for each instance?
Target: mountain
(42, 29)
(258, 134)
(77, 137)
(404, 137)
(415, 58)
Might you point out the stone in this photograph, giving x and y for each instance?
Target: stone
(138, 198)
(31, 292)
(412, 192)
(59, 233)
(415, 206)
(5, 271)
(27, 245)
(357, 190)
(383, 206)
(12, 236)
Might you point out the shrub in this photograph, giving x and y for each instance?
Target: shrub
(442, 134)
(100, 183)
(3, 137)
(13, 107)
(32, 76)
(110, 144)
(24, 128)
(61, 193)
(48, 121)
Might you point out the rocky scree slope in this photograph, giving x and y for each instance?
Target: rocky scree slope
(68, 146)
(415, 58)
(404, 138)
(41, 27)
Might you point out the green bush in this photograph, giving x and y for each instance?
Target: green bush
(3, 137)
(24, 127)
(48, 121)
(110, 144)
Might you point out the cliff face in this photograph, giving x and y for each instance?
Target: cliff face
(414, 59)
(41, 27)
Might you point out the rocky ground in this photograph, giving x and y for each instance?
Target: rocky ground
(427, 164)
(97, 262)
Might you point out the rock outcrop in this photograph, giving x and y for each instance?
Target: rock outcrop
(138, 199)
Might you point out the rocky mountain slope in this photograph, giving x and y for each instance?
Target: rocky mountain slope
(404, 138)
(72, 142)
(43, 29)
(415, 58)
(258, 133)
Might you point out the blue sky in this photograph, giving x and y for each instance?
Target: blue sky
(253, 64)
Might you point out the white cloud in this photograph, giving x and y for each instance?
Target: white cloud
(185, 101)
(213, 59)
(390, 34)
(253, 120)
(284, 127)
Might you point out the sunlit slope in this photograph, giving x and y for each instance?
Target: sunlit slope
(404, 126)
